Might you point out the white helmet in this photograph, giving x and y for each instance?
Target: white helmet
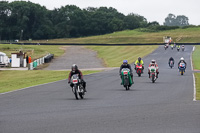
(153, 61)
(182, 59)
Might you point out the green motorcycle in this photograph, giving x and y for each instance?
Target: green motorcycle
(126, 78)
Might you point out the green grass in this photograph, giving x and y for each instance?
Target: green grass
(13, 80)
(136, 36)
(197, 77)
(114, 55)
(196, 59)
(196, 62)
(38, 50)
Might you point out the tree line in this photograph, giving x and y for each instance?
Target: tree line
(27, 20)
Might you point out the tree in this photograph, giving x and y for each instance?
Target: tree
(4, 15)
(172, 20)
(37, 22)
(133, 21)
(182, 20)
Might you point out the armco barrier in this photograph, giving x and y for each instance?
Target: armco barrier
(95, 44)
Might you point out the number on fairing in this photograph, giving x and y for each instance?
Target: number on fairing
(75, 81)
(125, 72)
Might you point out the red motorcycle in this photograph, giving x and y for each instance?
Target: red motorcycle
(139, 69)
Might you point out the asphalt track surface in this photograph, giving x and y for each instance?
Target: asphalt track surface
(83, 57)
(163, 107)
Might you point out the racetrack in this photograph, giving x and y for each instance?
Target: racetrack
(163, 107)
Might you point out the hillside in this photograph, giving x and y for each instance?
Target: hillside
(190, 35)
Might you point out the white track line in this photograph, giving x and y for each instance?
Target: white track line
(35, 86)
(194, 82)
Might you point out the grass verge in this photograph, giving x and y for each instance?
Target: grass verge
(197, 78)
(196, 62)
(135, 36)
(196, 59)
(13, 80)
(114, 55)
(38, 50)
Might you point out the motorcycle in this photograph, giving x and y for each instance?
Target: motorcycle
(172, 47)
(126, 78)
(171, 64)
(178, 48)
(183, 48)
(153, 74)
(77, 89)
(182, 68)
(165, 47)
(139, 69)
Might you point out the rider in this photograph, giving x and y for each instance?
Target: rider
(75, 70)
(139, 61)
(182, 61)
(178, 46)
(171, 59)
(126, 65)
(153, 63)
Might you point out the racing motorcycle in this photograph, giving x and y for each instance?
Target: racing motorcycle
(182, 68)
(126, 78)
(172, 46)
(153, 74)
(178, 48)
(183, 47)
(171, 64)
(165, 46)
(139, 69)
(77, 89)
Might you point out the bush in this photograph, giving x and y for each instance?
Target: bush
(158, 28)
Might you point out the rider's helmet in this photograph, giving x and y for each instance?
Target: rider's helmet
(74, 67)
(125, 62)
(181, 59)
(153, 61)
(139, 59)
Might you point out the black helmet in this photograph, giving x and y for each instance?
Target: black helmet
(74, 67)
(139, 59)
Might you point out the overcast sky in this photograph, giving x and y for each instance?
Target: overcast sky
(152, 10)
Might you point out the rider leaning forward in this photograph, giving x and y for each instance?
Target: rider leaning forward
(75, 70)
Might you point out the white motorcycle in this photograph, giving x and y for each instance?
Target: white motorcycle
(153, 74)
(183, 47)
(77, 89)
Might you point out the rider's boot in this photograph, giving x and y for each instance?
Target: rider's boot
(84, 89)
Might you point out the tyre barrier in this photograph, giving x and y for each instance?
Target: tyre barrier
(48, 58)
(37, 62)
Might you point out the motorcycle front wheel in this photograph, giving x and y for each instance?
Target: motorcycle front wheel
(76, 93)
(153, 78)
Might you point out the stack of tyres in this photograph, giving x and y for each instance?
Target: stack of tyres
(48, 58)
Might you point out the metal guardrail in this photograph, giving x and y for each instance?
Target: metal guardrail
(96, 44)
